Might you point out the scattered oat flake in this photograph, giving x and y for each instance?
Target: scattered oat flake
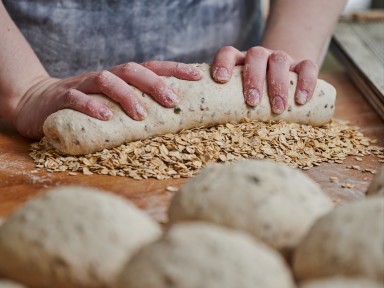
(333, 178)
(347, 185)
(185, 153)
(172, 188)
(373, 171)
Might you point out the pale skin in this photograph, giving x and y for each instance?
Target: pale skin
(296, 38)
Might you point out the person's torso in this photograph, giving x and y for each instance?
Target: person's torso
(72, 37)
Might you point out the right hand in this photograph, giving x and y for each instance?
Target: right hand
(50, 94)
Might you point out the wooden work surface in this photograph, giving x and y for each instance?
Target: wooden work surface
(20, 180)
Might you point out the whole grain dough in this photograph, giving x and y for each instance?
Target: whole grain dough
(205, 255)
(269, 200)
(347, 241)
(204, 103)
(72, 237)
(10, 284)
(377, 185)
(342, 282)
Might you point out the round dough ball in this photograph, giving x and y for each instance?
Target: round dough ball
(9, 284)
(269, 200)
(341, 282)
(205, 255)
(348, 241)
(72, 237)
(377, 185)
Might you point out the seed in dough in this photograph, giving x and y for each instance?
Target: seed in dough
(72, 237)
(269, 200)
(347, 241)
(205, 255)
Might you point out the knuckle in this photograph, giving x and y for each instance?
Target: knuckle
(149, 64)
(258, 51)
(306, 83)
(70, 98)
(102, 78)
(158, 86)
(129, 67)
(310, 65)
(89, 106)
(279, 56)
(276, 88)
(257, 81)
(227, 49)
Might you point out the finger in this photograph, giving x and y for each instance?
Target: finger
(277, 79)
(254, 72)
(119, 91)
(175, 69)
(225, 60)
(77, 100)
(148, 82)
(307, 78)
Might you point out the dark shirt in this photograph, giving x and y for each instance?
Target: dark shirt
(72, 37)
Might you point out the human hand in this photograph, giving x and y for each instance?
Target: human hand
(50, 95)
(260, 64)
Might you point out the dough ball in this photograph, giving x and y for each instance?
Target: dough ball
(10, 284)
(347, 241)
(269, 200)
(341, 282)
(72, 237)
(377, 185)
(205, 255)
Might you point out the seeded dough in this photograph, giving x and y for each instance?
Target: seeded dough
(377, 185)
(72, 237)
(347, 241)
(341, 282)
(205, 255)
(269, 200)
(204, 103)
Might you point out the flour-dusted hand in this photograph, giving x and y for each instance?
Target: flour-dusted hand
(295, 38)
(262, 64)
(28, 94)
(50, 95)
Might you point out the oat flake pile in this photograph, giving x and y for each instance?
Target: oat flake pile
(185, 153)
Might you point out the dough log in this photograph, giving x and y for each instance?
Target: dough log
(204, 103)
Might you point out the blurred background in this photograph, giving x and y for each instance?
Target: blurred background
(331, 63)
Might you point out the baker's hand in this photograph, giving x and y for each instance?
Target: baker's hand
(51, 95)
(260, 64)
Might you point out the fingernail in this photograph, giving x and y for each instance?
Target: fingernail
(253, 97)
(221, 74)
(171, 97)
(105, 113)
(302, 97)
(278, 105)
(141, 111)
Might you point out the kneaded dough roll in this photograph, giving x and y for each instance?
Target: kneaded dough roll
(204, 103)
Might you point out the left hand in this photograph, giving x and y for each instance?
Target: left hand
(261, 63)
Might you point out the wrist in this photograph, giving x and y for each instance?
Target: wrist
(12, 101)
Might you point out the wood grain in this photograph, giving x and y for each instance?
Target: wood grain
(19, 180)
(359, 46)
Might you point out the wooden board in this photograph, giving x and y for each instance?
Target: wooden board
(19, 180)
(359, 45)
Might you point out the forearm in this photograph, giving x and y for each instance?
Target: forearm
(301, 28)
(20, 68)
